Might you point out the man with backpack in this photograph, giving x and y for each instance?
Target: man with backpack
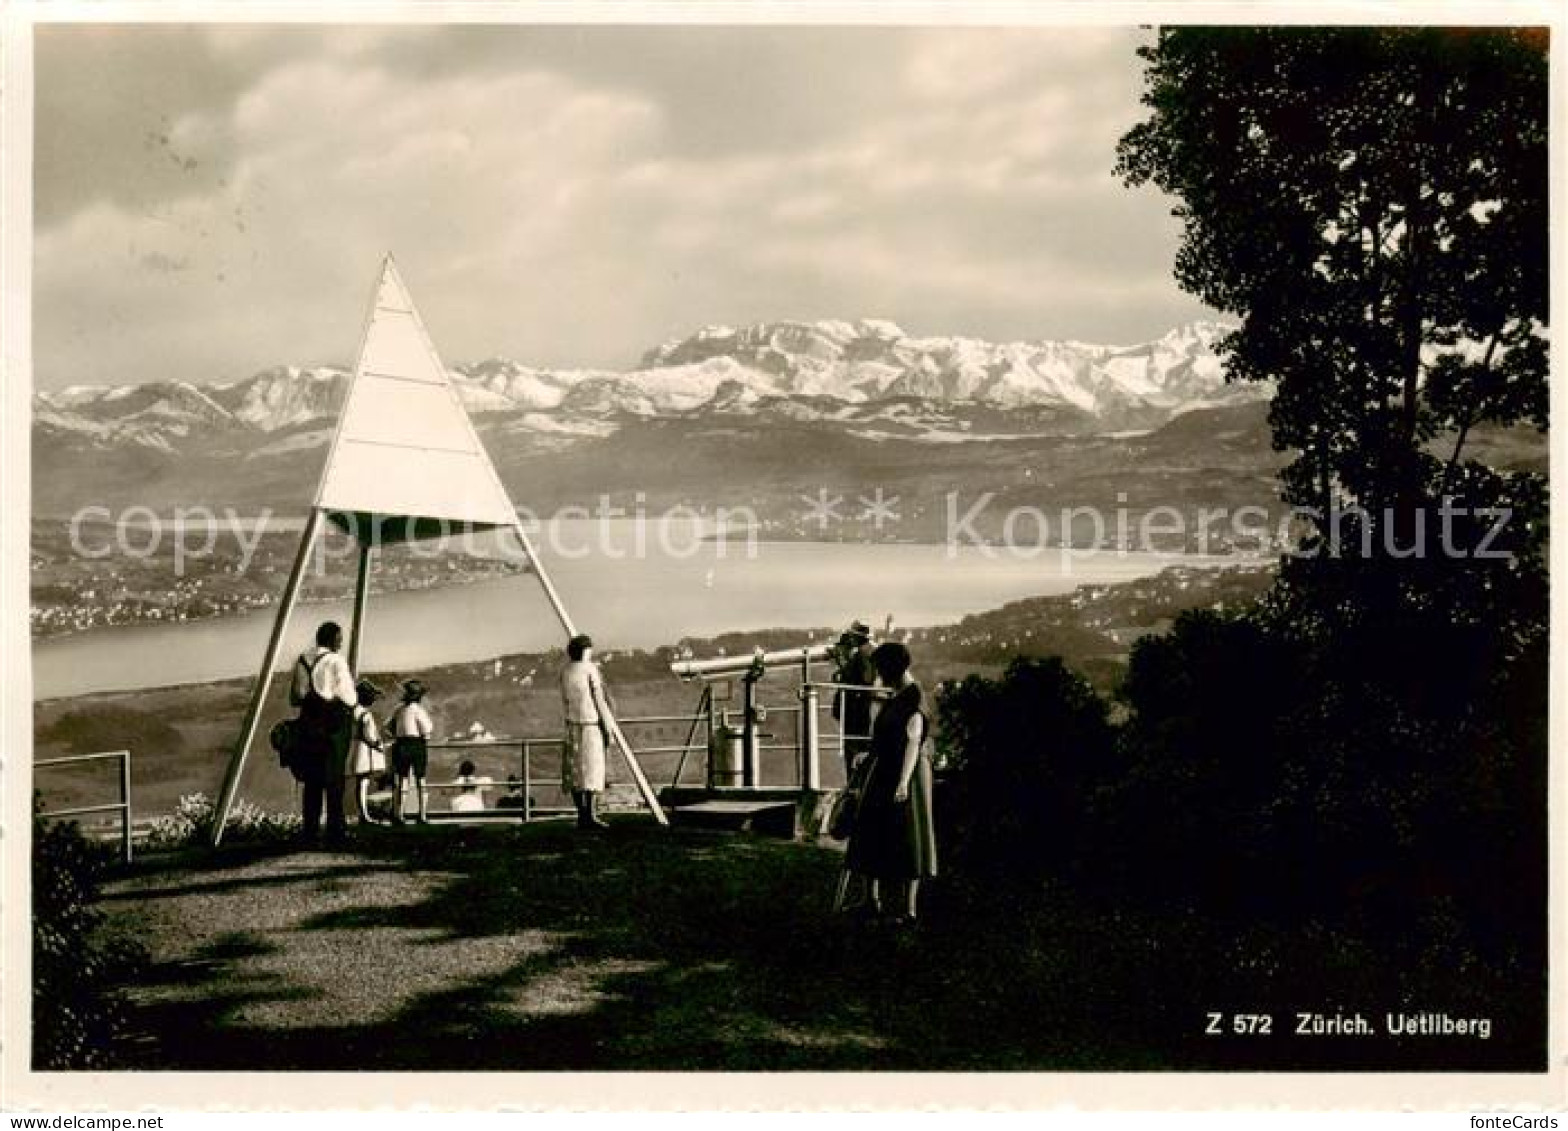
(324, 691)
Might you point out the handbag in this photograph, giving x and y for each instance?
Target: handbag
(846, 806)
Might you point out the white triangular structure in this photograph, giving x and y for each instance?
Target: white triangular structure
(405, 464)
(405, 449)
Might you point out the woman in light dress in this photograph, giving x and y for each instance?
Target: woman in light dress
(587, 710)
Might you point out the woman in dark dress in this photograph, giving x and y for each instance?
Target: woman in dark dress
(894, 839)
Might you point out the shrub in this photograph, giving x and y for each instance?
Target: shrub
(191, 824)
(1020, 752)
(1361, 774)
(77, 1012)
(1214, 795)
(1433, 757)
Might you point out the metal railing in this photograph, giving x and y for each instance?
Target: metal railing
(808, 729)
(702, 725)
(123, 807)
(526, 745)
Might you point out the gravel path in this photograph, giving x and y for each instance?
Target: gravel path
(492, 947)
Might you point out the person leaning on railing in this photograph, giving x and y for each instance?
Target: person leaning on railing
(852, 709)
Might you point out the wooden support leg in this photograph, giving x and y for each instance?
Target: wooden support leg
(356, 638)
(544, 580)
(643, 786)
(616, 735)
(231, 780)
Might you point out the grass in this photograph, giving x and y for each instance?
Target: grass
(539, 948)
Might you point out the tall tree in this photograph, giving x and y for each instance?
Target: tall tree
(1371, 203)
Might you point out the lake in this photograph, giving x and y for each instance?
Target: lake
(682, 590)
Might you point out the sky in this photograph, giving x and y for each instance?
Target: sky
(213, 200)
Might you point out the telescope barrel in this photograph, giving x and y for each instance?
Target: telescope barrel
(739, 665)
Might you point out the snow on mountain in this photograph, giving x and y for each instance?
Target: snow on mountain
(538, 422)
(68, 430)
(792, 370)
(159, 415)
(782, 358)
(64, 424)
(287, 395)
(73, 395)
(478, 399)
(1100, 380)
(511, 385)
(180, 406)
(293, 442)
(173, 400)
(872, 359)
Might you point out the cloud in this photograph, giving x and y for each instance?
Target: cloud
(432, 171)
(555, 206)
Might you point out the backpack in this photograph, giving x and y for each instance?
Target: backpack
(284, 737)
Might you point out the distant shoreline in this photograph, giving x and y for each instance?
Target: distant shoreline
(1210, 573)
(1221, 560)
(36, 637)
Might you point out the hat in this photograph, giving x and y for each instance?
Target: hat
(413, 689)
(856, 633)
(365, 689)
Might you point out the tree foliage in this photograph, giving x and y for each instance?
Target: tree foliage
(1365, 747)
(1371, 203)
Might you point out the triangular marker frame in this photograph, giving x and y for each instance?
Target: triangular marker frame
(405, 464)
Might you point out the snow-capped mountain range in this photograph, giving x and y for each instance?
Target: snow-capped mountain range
(852, 371)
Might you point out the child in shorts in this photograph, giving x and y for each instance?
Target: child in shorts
(410, 727)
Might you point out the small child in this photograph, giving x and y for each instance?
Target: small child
(471, 798)
(366, 757)
(411, 729)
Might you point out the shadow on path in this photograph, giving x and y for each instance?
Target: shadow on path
(540, 948)
(524, 948)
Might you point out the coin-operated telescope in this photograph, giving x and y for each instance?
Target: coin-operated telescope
(733, 752)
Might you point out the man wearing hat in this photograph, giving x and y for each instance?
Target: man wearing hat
(587, 711)
(852, 709)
